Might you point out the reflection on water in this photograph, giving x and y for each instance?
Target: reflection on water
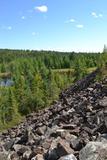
(6, 82)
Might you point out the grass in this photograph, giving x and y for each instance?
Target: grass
(5, 75)
(89, 70)
(11, 124)
(63, 70)
(66, 70)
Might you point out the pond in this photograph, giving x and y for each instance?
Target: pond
(6, 82)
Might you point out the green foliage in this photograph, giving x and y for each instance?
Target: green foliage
(38, 78)
(38, 92)
(80, 68)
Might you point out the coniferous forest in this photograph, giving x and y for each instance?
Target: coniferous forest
(32, 80)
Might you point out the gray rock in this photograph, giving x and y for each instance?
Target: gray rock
(76, 144)
(41, 130)
(26, 155)
(59, 148)
(52, 152)
(63, 148)
(3, 156)
(90, 89)
(20, 149)
(46, 144)
(94, 151)
(61, 132)
(102, 138)
(39, 157)
(13, 134)
(68, 157)
(8, 145)
(13, 156)
(70, 137)
(32, 138)
(52, 155)
(34, 158)
(104, 89)
(103, 102)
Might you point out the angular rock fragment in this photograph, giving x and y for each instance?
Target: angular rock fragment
(20, 149)
(94, 151)
(63, 148)
(8, 145)
(39, 157)
(41, 130)
(3, 156)
(103, 102)
(26, 154)
(68, 157)
(76, 144)
(13, 156)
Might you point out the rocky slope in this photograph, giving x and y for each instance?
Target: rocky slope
(74, 127)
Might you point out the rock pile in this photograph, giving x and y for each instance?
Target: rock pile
(73, 128)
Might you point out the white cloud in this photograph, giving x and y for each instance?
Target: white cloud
(70, 21)
(9, 28)
(6, 27)
(100, 15)
(23, 17)
(95, 15)
(42, 8)
(35, 34)
(74, 21)
(80, 26)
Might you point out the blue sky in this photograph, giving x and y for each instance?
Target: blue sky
(64, 25)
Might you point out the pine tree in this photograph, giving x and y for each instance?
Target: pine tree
(13, 110)
(38, 92)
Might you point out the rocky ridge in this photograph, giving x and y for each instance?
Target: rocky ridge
(73, 128)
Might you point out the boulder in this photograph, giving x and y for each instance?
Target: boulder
(38, 157)
(8, 145)
(3, 156)
(59, 148)
(26, 155)
(52, 151)
(41, 130)
(69, 137)
(94, 151)
(46, 144)
(63, 148)
(13, 156)
(20, 149)
(52, 155)
(103, 102)
(68, 157)
(103, 138)
(76, 144)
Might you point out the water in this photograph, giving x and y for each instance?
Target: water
(6, 82)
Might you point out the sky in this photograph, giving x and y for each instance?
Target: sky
(62, 25)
